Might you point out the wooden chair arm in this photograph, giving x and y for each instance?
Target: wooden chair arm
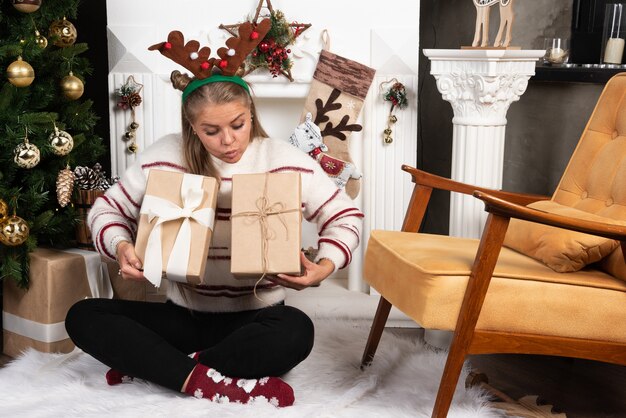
(431, 180)
(508, 209)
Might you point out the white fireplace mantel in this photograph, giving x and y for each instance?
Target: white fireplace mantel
(480, 85)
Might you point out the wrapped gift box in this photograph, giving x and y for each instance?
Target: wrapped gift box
(58, 279)
(266, 224)
(176, 225)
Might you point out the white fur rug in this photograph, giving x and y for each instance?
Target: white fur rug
(401, 382)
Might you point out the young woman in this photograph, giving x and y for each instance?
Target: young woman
(216, 340)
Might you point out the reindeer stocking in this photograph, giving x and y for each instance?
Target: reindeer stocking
(335, 100)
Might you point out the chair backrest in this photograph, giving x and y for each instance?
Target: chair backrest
(595, 178)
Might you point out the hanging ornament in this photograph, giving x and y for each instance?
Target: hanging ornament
(61, 142)
(26, 6)
(4, 210)
(129, 98)
(72, 87)
(13, 231)
(63, 33)
(20, 73)
(40, 40)
(396, 94)
(65, 186)
(26, 155)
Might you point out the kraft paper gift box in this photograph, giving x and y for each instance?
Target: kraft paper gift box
(176, 225)
(58, 279)
(266, 221)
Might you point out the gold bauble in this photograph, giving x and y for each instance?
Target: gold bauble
(133, 147)
(26, 155)
(63, 33)
(61, 142)
(26, 6)
(40, 40)
(4, 210)
(20, 73)
(13, 231)
(72, 87)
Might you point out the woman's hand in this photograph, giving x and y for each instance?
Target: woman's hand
(130, 266)
(313, 274)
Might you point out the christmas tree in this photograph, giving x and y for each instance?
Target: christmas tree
(47, 130)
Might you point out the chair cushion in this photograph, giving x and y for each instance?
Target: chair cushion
(560, 249)
(430, 274)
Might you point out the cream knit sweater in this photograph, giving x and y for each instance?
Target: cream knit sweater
(114, 217)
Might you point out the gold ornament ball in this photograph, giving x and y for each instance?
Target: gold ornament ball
(20, 73)
(26, 6)
(72, 87)
(61, 142)
(26, 155)
(63, 33)
(40, 40)
(13, 231)
(4, 210)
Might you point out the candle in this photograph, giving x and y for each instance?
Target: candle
(557, 55)
(614, 50)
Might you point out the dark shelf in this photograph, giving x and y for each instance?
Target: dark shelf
(575, 74)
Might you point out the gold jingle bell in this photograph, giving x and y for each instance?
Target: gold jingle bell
(4, 210)
(133, 147)
(72, 87)
(20, 73)
(26, 155)
(63, 33)
(61, 142)
(13, 231)
(40, 40)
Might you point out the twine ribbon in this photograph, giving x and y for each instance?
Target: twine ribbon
(165, 210)
(265, 209)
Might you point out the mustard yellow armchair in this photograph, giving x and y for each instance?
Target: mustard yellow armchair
(547, 276)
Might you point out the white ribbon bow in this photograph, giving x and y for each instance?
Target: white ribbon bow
(165, 210)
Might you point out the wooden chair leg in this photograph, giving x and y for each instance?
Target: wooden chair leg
(380, 319)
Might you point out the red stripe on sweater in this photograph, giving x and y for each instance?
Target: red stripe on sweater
(291, 168)
(343, 247)
(337, 215)
(103, 248)
(130, 199)
(119, 207)
(164, 164)
(108, 212)
(322, 206)
(351, 229)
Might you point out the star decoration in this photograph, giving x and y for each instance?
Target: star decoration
(295, 28)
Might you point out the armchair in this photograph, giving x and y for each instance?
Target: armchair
(498, 300)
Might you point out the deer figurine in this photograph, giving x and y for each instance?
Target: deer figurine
(481, 31)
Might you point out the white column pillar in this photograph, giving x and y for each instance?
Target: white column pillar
(480, 85)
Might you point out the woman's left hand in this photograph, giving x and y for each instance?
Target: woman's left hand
(313, 274)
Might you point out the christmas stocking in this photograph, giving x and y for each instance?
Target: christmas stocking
(335, 100)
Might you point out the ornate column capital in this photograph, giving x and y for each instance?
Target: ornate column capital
(481, 84)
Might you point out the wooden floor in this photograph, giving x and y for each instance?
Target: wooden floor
(579, 388)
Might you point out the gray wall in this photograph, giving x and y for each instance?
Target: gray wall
(543, 127)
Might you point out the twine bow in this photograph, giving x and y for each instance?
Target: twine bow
(265, 209)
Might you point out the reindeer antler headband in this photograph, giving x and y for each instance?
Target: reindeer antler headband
(197, 60)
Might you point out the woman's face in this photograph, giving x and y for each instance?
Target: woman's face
(224, 130)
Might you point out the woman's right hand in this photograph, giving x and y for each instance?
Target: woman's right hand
(130, 266)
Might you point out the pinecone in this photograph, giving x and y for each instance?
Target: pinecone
(65, 185)
(134, 100)
(86, 178)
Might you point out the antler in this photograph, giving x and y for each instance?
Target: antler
(322, 116)
(187, 55)
(238, 47)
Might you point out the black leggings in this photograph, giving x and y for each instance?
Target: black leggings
(152, 341)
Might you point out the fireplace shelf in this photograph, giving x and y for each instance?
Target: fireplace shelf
(577, 74)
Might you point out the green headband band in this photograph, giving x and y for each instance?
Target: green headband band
(215, 78)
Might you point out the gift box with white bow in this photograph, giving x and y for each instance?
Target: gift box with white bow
(35, 317)
(176, 226)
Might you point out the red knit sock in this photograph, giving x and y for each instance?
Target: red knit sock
(115, 378)
(205, 382)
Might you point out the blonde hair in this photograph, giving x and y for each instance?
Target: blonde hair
(196, 157)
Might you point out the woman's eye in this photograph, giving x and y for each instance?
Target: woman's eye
(239, 126)
(211, 133)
